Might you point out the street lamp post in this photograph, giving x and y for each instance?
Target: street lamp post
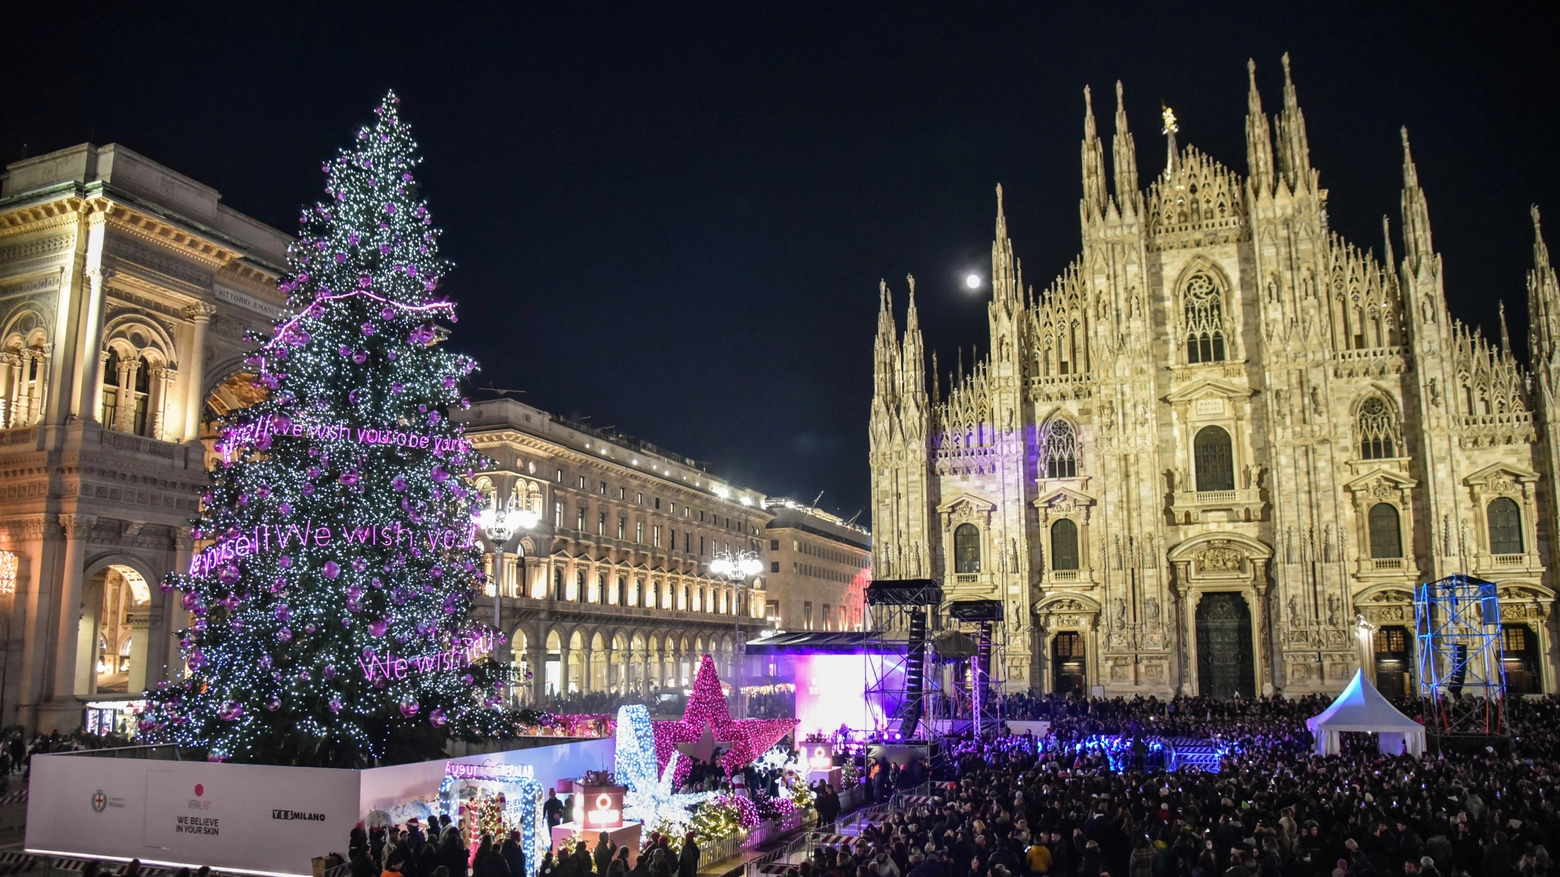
(737, 568)
(499, 522)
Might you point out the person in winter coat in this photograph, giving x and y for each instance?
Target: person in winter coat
(513, 855)
(688, 860)
(603, 854)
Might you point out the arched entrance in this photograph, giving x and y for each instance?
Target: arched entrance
(1068, 673)
(1224, 653)
(113, 633)
(1394, 657)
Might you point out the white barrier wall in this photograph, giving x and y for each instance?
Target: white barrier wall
(230, 816)
(258, 818)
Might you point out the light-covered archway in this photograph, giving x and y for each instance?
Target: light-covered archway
(114, 631)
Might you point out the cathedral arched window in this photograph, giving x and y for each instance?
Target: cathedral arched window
(1386, 532)
(966, 549)
(1204, 320)
(558, 592)
(1064, 544)
(1214, 459)
(1059, 450)
(1378, 430)
(1505, 521)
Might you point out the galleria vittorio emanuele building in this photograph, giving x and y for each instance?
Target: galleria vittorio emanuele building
(1217, 452)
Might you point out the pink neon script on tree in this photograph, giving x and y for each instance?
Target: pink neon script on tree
(260, 541)
(454, 658)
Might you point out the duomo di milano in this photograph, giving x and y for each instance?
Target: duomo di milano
(1217, 453)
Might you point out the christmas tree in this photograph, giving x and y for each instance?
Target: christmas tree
(331, 614)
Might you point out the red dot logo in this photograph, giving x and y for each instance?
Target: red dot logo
(199, 790)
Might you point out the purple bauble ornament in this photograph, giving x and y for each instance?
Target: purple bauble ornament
(437, 718)
(409, 708)
(331, 569)
(376, 628)
(285, 634)
(274, 704)
(335, 705)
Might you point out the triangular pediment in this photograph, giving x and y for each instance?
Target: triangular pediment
(1064, 496)
(1489, 473)
(1206, 387)
(967, 500)
(1396, 479)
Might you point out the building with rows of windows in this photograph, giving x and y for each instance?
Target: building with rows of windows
(819, 565)
(611, 590)
(126, 289)
(1217, 453)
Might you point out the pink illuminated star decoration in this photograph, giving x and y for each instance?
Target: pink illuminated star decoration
(708, 719)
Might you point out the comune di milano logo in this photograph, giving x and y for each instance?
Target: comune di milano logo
(298, 814)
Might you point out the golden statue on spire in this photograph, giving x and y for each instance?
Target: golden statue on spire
(1171, 126)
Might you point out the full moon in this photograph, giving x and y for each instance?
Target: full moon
(972, 281)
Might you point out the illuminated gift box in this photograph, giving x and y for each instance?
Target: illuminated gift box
(598, 807)
(819, 760)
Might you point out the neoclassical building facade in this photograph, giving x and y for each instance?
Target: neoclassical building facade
(611, 590)
(1216, 454)
(125, 292)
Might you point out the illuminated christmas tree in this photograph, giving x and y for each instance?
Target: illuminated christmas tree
(331, 611)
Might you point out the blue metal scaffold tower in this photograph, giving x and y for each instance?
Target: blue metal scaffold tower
(1462, 679)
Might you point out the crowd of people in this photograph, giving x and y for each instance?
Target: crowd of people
(1022, 807)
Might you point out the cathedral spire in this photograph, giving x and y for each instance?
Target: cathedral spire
(885, 352)
(1505, 335)
(913, 359)
(1259, 143)
(1172, 154)
(1124, 156)
(1003, 281)
(1294, 149)
(1417, 247)
(1543, 302)
(1093, 162)
(1387, 256)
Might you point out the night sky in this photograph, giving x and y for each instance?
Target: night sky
(672, 218)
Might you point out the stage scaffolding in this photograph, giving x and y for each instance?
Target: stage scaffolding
(1462, 678)
(981, 620)
(899, 615)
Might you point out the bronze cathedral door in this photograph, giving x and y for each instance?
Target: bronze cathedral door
(1224, 655)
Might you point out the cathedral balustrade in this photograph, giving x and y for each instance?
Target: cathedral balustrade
(1243, 503)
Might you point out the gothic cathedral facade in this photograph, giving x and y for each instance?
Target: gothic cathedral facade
(1218, 452)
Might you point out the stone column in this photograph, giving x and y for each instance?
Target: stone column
(40, 384)
(7, 387)
(89, 368)
(563, 671)
(97, 384)
(140, 630)
(124, 417)
(606, 660)
(156, 406)
(536, 656)
(194, 361)
(67, 629)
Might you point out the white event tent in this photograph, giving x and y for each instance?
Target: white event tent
(1361, 708)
